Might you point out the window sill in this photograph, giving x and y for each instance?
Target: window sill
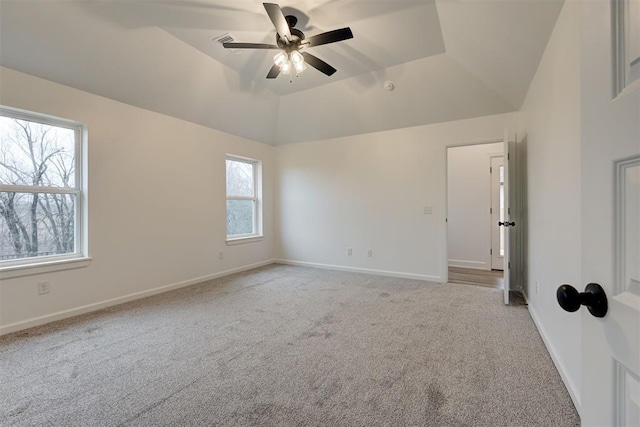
(241, 240)
(42, 267)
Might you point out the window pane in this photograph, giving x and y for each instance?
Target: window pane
(240, 217)
(239, 179)
(35, 154)
(36, 224)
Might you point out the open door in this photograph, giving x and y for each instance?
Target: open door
(509, 214)
(610, 127)
(497, 212)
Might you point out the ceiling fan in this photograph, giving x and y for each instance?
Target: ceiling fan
(291, 42)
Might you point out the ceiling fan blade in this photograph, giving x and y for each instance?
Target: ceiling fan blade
(278, 19)
(274, 72)
(234, 45)
(318, 64)
(329, 37)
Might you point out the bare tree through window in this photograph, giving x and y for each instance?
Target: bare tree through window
(241, 197)
(38, 194)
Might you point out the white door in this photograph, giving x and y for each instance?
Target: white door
(497, 213)
(610, 127)
(509, 186)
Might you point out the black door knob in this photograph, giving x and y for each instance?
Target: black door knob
(593, 297)
(507, 224)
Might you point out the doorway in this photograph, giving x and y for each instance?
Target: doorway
(475, 205)
(496, 171)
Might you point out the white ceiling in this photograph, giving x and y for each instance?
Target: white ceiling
(449, 60)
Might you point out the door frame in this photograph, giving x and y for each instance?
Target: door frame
(493, 219)
(444, 246)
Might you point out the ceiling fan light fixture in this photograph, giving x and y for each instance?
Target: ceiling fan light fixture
(285, 68)
(290, 40)
(280, 59)
(297, 57)
(300, 66)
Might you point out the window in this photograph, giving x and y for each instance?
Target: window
(40, 189)
(243, 201)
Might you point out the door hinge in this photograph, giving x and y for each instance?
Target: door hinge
(490, 211)
(490, 251)
(509, 266)
(490, 169)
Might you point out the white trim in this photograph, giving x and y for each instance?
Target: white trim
(621, 282)
(444, 243)
(256, 171)
(622, 61)
(630, 88)
(37, 321)
(475, 265)
(573, 390)
(37, 117)
(39, 189)
(482, 142)
(241, 198)
(241, 240)
(495, 154)
(41, 267)
(629, 299)
(622, 396)
(398, 274)
(79, 258)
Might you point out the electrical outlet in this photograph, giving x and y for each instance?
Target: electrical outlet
(43, 288)
(220, 255)
(428, 210)
(349, 251)
(537, 287)
(369, 253)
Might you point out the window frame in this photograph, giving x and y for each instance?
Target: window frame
(79, 257)
(256, 167)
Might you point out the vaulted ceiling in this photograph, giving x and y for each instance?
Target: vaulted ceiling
(448, 60)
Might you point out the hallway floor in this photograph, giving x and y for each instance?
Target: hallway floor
(484, 278)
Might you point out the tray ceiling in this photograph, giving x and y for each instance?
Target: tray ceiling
(480, 55)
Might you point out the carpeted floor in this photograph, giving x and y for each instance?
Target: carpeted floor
(289, 346)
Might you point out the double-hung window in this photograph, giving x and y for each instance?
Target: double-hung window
(243, 199)
(41, 199)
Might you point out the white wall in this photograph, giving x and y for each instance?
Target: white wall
(469, 201)
(156, 202)
(364, 105)
(551, 124)
(369, 192)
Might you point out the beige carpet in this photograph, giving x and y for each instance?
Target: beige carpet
(289, 346)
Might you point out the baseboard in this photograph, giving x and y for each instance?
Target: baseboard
(573, 391)
(37, 321)
(362, 270)
(475, 265)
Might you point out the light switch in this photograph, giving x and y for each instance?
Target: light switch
(428, 210)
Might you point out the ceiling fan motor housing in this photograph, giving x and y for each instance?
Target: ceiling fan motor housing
(291, 20)
(297, 37)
